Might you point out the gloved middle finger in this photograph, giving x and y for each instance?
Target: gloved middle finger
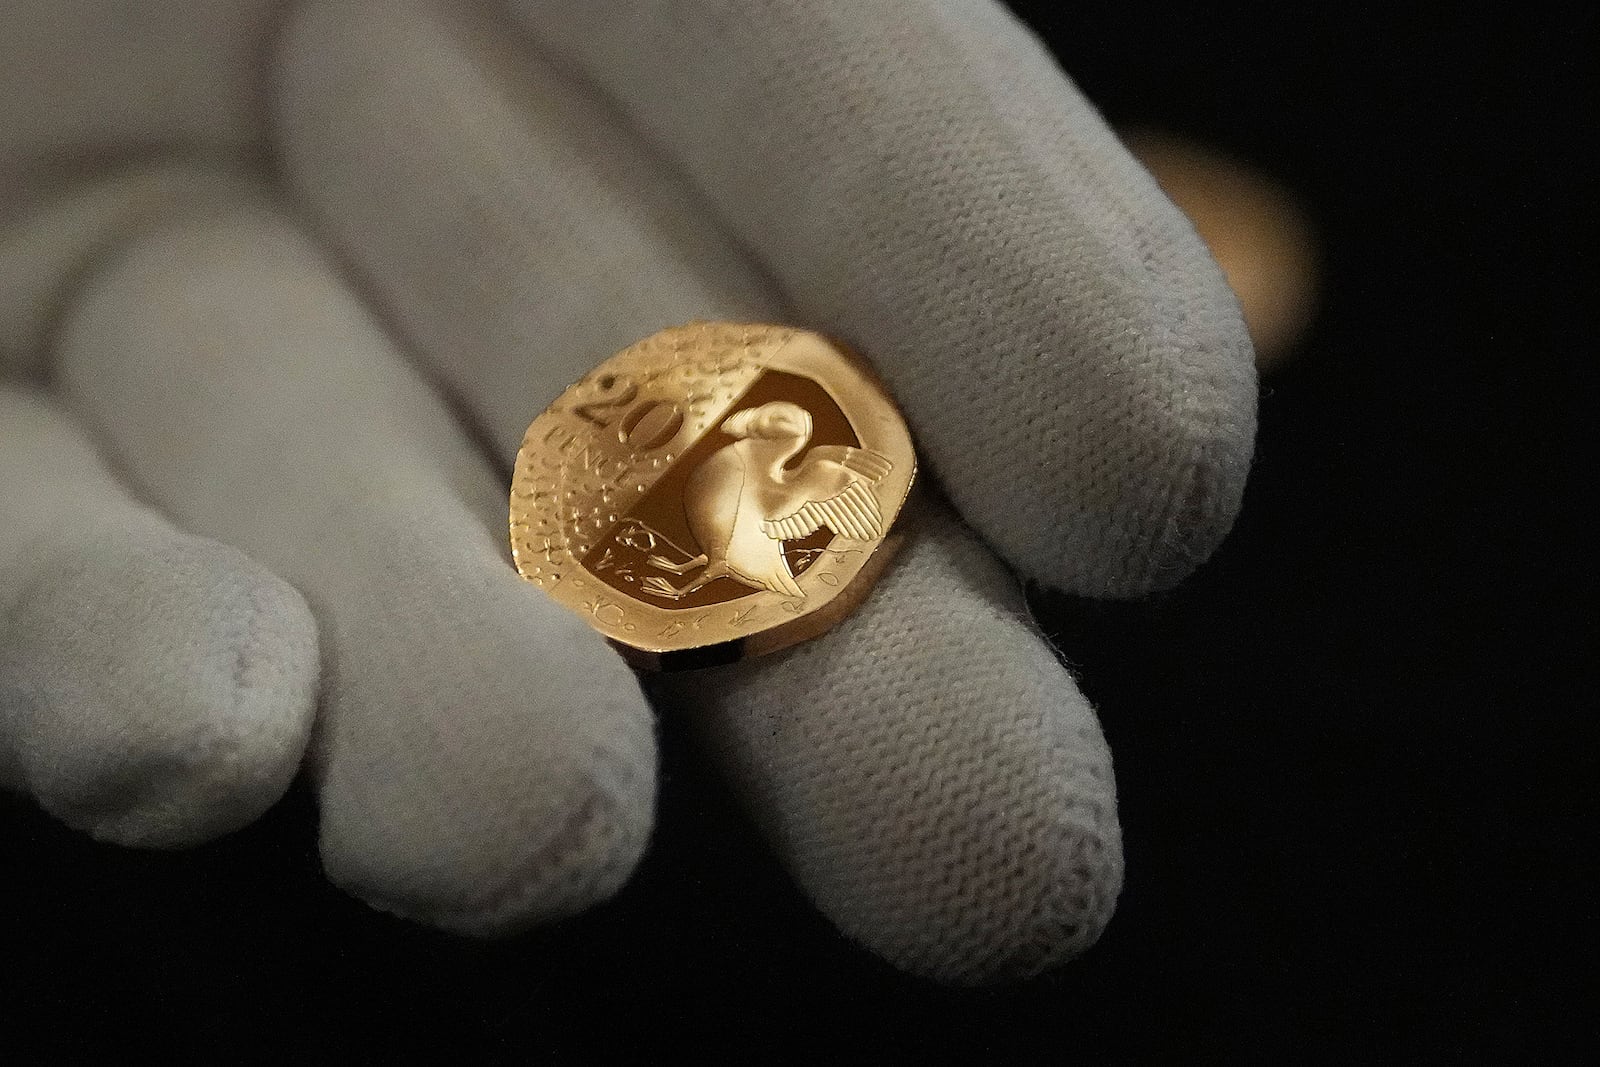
(520, 235)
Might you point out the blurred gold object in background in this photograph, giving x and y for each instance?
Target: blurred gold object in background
(1255, 229)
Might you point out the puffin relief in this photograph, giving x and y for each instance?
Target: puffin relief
(741, 503)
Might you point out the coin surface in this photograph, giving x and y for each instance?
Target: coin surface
(715, 491)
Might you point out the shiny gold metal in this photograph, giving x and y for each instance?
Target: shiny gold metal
(715, 491)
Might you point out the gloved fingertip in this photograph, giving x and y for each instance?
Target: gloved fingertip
(931, 775)
(1059, 910)
(159, 688)
(486, 770)
(590, 853)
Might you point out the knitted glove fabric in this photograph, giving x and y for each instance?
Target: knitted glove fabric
(326, 364)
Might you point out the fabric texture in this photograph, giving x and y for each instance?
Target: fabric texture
(483, 761)
(46, 249)
(934, 669)
(922, 178)
(156, 689)
(329, 367)
(98, 79)
(928, 770)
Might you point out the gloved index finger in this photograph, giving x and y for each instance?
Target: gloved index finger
(922, 179)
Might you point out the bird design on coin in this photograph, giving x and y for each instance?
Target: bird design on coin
(743, 502)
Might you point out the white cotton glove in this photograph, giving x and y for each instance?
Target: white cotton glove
(327, 363)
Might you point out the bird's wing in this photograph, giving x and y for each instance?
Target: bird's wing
(852, 512)
(863, 461)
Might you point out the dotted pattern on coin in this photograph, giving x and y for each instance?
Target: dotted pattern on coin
(702, 367)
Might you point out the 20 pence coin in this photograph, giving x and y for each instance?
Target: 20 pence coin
(715, 491)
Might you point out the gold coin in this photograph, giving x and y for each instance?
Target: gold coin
(715, 491)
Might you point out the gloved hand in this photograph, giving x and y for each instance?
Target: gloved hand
(279, 293)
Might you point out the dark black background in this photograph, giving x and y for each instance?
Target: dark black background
(1349, 751)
